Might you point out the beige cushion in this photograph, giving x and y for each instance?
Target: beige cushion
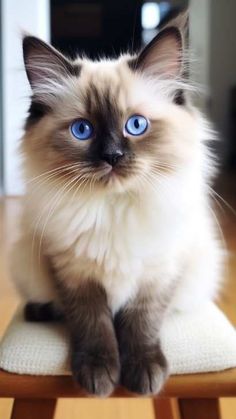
(202, 341)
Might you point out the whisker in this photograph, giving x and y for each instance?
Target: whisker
(222, 238)
(150, 180)
(216, 202)
(39, 220)
(66, 166)
(58, 198)
(52, 179)
(223, 200)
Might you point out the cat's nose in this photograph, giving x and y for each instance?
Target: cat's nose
(112, 158)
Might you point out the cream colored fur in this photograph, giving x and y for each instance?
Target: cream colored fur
(149, 231)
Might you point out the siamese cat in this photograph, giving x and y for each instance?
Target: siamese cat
(117, 229)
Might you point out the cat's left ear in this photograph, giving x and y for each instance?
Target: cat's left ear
(163, 56)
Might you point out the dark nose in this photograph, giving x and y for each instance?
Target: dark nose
(112, 158)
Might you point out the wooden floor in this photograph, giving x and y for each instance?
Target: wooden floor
(119, 408)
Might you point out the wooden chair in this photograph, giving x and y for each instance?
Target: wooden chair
(184, 397)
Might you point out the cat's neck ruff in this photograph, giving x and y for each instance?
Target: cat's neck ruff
(142, 214)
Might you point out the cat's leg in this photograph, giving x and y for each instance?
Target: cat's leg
(144, 367)
(31, 274)
(94, 349)
(202, 274)
(42, 312)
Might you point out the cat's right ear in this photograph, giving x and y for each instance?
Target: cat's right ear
(44, 64)
(163, 56)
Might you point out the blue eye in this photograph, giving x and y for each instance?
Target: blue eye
(81, 129)
(136, 125)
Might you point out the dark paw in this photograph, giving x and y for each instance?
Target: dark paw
(97, 374)
(42, 312)
(144, 373)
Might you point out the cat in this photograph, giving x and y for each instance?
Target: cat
(117, 230)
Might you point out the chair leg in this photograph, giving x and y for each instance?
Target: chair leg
(199, 408)
(166, 408)
(33, 409)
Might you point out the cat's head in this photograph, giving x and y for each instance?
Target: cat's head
(110, 124)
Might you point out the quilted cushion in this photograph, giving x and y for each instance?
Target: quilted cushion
(201, 341)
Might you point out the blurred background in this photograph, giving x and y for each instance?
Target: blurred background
(100, 27)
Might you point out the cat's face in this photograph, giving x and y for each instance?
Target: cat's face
(107, 124)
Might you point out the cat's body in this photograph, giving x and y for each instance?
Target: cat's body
(123, 243)
(120, 245)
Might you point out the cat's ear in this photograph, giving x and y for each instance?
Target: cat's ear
(163, 56)
(43, 63)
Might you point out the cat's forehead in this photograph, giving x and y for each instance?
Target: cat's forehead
(108, 89)
(104, 68)
(112, 85)
(105, 84)
(105, 75)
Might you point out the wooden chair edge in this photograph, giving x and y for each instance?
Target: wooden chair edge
(207, 385)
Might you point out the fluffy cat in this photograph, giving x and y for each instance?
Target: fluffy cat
(117, 229)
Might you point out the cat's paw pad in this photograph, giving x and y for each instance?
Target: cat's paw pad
(98, 376)
(144, 375)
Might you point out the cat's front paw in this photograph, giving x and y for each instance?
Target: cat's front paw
(144, 373)
(97, 374)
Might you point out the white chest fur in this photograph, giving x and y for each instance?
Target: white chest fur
(120, 239)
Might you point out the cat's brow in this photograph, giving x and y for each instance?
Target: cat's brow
(102, 103)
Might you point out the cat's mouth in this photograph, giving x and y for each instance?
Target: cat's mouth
(113, 174)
